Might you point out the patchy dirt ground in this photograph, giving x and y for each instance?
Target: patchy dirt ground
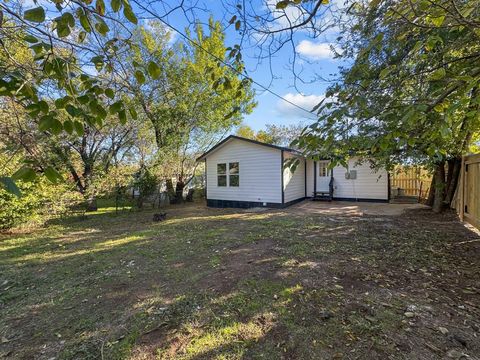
(297, 283)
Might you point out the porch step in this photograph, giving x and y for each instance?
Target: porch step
(322, 196)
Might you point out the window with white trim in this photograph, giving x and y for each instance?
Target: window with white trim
(230, 174)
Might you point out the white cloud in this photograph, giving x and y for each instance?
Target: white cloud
(315, 51)
(283, 18)
(307, 102)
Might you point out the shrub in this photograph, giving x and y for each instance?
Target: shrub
(38, 202)
(18, 210)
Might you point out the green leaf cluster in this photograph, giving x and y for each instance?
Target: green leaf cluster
(411, 93)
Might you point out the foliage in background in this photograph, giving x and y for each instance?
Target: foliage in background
(412, 93)
(16, 210)
(282, 135)
(55, 87)
(80, 159)
(178, 165)
(116, 179)
(72, 65)
(39, 200)
(192, 91)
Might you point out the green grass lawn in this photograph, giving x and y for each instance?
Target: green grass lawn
(232, 284)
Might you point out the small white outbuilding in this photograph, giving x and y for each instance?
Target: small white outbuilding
(245, 173)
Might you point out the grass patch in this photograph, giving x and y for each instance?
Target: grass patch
(226, 284)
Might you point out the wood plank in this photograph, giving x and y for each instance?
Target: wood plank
(470, 190)
(462, 189)
(472, 220)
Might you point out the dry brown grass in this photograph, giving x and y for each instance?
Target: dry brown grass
(232, 284)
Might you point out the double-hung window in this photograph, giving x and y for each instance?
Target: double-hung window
(228, 172)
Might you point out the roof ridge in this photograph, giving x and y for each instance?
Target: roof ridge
(278, 147)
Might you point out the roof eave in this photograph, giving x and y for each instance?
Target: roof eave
(280, 148)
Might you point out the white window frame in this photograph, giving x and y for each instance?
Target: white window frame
(227, 174)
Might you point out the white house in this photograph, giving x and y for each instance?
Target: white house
(246, 173)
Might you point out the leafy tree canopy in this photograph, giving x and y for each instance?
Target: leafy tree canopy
(190, 89)
(411, 94)
(70, 65)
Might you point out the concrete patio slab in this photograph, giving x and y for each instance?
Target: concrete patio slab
(348, 208)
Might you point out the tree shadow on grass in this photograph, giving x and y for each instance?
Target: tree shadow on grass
(51, 287)
(231, 283)
(108, 227)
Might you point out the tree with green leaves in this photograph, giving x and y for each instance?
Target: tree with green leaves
(82, 158)
(179, 162)
(411, 94)
(190, 98)
(246, 132)
(189, 89)
(73, 78)
(61, 61)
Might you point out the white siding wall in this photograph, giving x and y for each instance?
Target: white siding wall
(368, 184)
(259, 172)
(309, 178)
(294, 183)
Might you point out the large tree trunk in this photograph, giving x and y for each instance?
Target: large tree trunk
(78, 182)
(431, 193)
(439, 176)
(87, 180)
(140, 202)
(82, 187)
(454, 175)
(170, 191)
(179, 191)
(450, 166)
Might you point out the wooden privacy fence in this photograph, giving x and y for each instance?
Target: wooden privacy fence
(410, 181)
(467, 199)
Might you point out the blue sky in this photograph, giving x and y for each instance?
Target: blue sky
(316, 59)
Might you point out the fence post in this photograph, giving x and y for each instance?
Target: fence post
(462, 189)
